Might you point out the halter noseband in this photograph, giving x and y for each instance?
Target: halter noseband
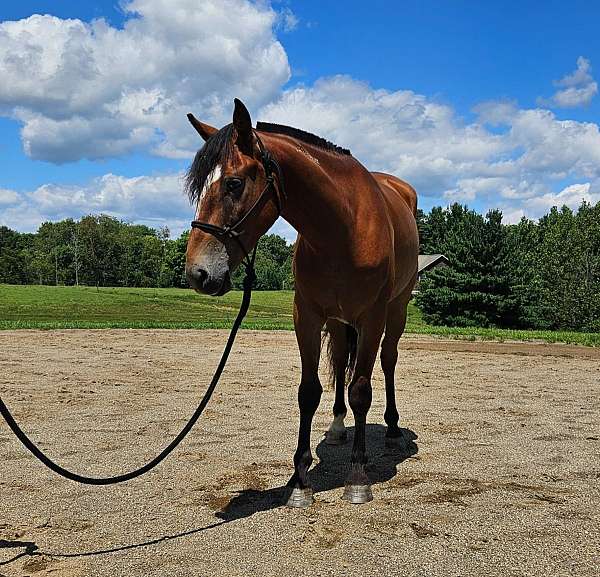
(234, 231)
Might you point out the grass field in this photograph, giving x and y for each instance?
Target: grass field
(47, 307)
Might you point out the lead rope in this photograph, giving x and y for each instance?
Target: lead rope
(37, 452)
(221, 233)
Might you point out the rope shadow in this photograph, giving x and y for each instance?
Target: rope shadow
(330, 471)
(32, 550)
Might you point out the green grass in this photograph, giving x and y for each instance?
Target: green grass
(46, 307)
(477, 333)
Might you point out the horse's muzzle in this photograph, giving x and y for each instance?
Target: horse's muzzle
(203, 282)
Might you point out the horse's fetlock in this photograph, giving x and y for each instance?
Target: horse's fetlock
(391, 415)
(303, 459)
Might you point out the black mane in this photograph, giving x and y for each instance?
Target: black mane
(303, 136)
(218, 149)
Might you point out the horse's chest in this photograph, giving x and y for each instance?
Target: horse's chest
(340, 290)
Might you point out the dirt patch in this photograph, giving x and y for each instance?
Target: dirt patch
(498, 474)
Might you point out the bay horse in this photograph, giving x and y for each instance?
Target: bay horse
(355, 264)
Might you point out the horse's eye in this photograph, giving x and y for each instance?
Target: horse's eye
(234, 185)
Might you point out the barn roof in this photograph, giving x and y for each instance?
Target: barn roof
(427, 261)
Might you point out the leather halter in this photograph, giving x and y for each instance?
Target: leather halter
(235, 231)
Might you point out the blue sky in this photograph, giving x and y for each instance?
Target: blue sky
(490, 104)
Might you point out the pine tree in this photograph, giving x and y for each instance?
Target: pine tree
(474, 290)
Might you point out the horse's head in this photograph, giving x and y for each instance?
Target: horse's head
(225, 181)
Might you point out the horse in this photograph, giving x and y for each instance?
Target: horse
(355, 264)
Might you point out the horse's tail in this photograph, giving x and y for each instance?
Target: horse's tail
(342, 344)
(352, 343)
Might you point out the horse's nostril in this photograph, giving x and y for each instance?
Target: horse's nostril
(202, 275)
(197, 276)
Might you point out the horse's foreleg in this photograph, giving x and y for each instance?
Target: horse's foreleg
(308, 333)
(358, 487)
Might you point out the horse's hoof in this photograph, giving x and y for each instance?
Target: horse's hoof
(358, 494)
(336, 438)
(300, 498)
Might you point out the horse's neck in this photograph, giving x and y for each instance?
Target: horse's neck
(314, 206)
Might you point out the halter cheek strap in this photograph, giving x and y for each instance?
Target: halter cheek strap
(273, 191)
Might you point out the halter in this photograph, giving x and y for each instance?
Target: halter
(235, 231)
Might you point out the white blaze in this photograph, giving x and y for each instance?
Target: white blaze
(213, 177)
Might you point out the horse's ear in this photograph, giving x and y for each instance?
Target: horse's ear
(204, 130)
(243, 126)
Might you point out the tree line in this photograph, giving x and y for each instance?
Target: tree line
(542, 275)
(539, 275)
(100, 250)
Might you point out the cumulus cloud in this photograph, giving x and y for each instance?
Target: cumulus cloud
(400, 132)
(155, 200)
(575, 89)
(571, 196)
(92, 91)
(527, 153)
(521, 160)
(8, 196)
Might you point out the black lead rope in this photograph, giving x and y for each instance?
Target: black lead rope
(232, 232)
(37, 452)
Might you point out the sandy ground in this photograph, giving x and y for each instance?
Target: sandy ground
(501, 477)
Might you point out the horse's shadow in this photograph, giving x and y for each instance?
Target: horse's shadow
(330, 471)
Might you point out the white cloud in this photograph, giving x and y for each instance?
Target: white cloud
(156, 199)
(527, 155)
(153, 200)
(575, 89)
(91, 90)
(401, 132)
(8, 196)
(288, 20)
(571, 196)
(529, 162)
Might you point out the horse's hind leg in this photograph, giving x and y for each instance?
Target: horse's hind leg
(308, 333)
(339, 352)
(395, 323)
(358, 487)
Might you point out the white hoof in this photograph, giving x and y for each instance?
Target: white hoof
(357, 494)
(300, 498)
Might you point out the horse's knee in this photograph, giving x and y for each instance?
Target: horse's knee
(360, 395)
